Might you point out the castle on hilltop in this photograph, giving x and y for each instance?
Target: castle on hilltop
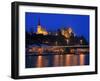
(66, 32)
(62, 37)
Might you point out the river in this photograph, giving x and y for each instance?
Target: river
(56, 60)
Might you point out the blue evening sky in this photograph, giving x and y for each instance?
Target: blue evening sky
(52, 22)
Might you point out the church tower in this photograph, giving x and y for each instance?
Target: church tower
(40, 29)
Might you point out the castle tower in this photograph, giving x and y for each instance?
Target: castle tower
(67, 32)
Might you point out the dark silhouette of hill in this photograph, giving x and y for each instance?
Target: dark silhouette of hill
(52, 40)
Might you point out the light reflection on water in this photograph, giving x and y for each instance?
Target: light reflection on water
(39, 61)
(56, 60)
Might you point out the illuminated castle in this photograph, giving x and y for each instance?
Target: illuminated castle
(41, 30)
(67, 32)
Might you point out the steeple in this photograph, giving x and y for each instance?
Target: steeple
(39, 22)
(40, 29)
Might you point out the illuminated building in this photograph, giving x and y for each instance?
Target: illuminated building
(66, 32)
(41, 30)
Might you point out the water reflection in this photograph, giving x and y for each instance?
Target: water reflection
(39, 61)
(75, 60)
(56, 60)
(82, 58)
(68, 59)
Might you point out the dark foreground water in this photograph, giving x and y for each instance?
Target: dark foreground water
(49, 60)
